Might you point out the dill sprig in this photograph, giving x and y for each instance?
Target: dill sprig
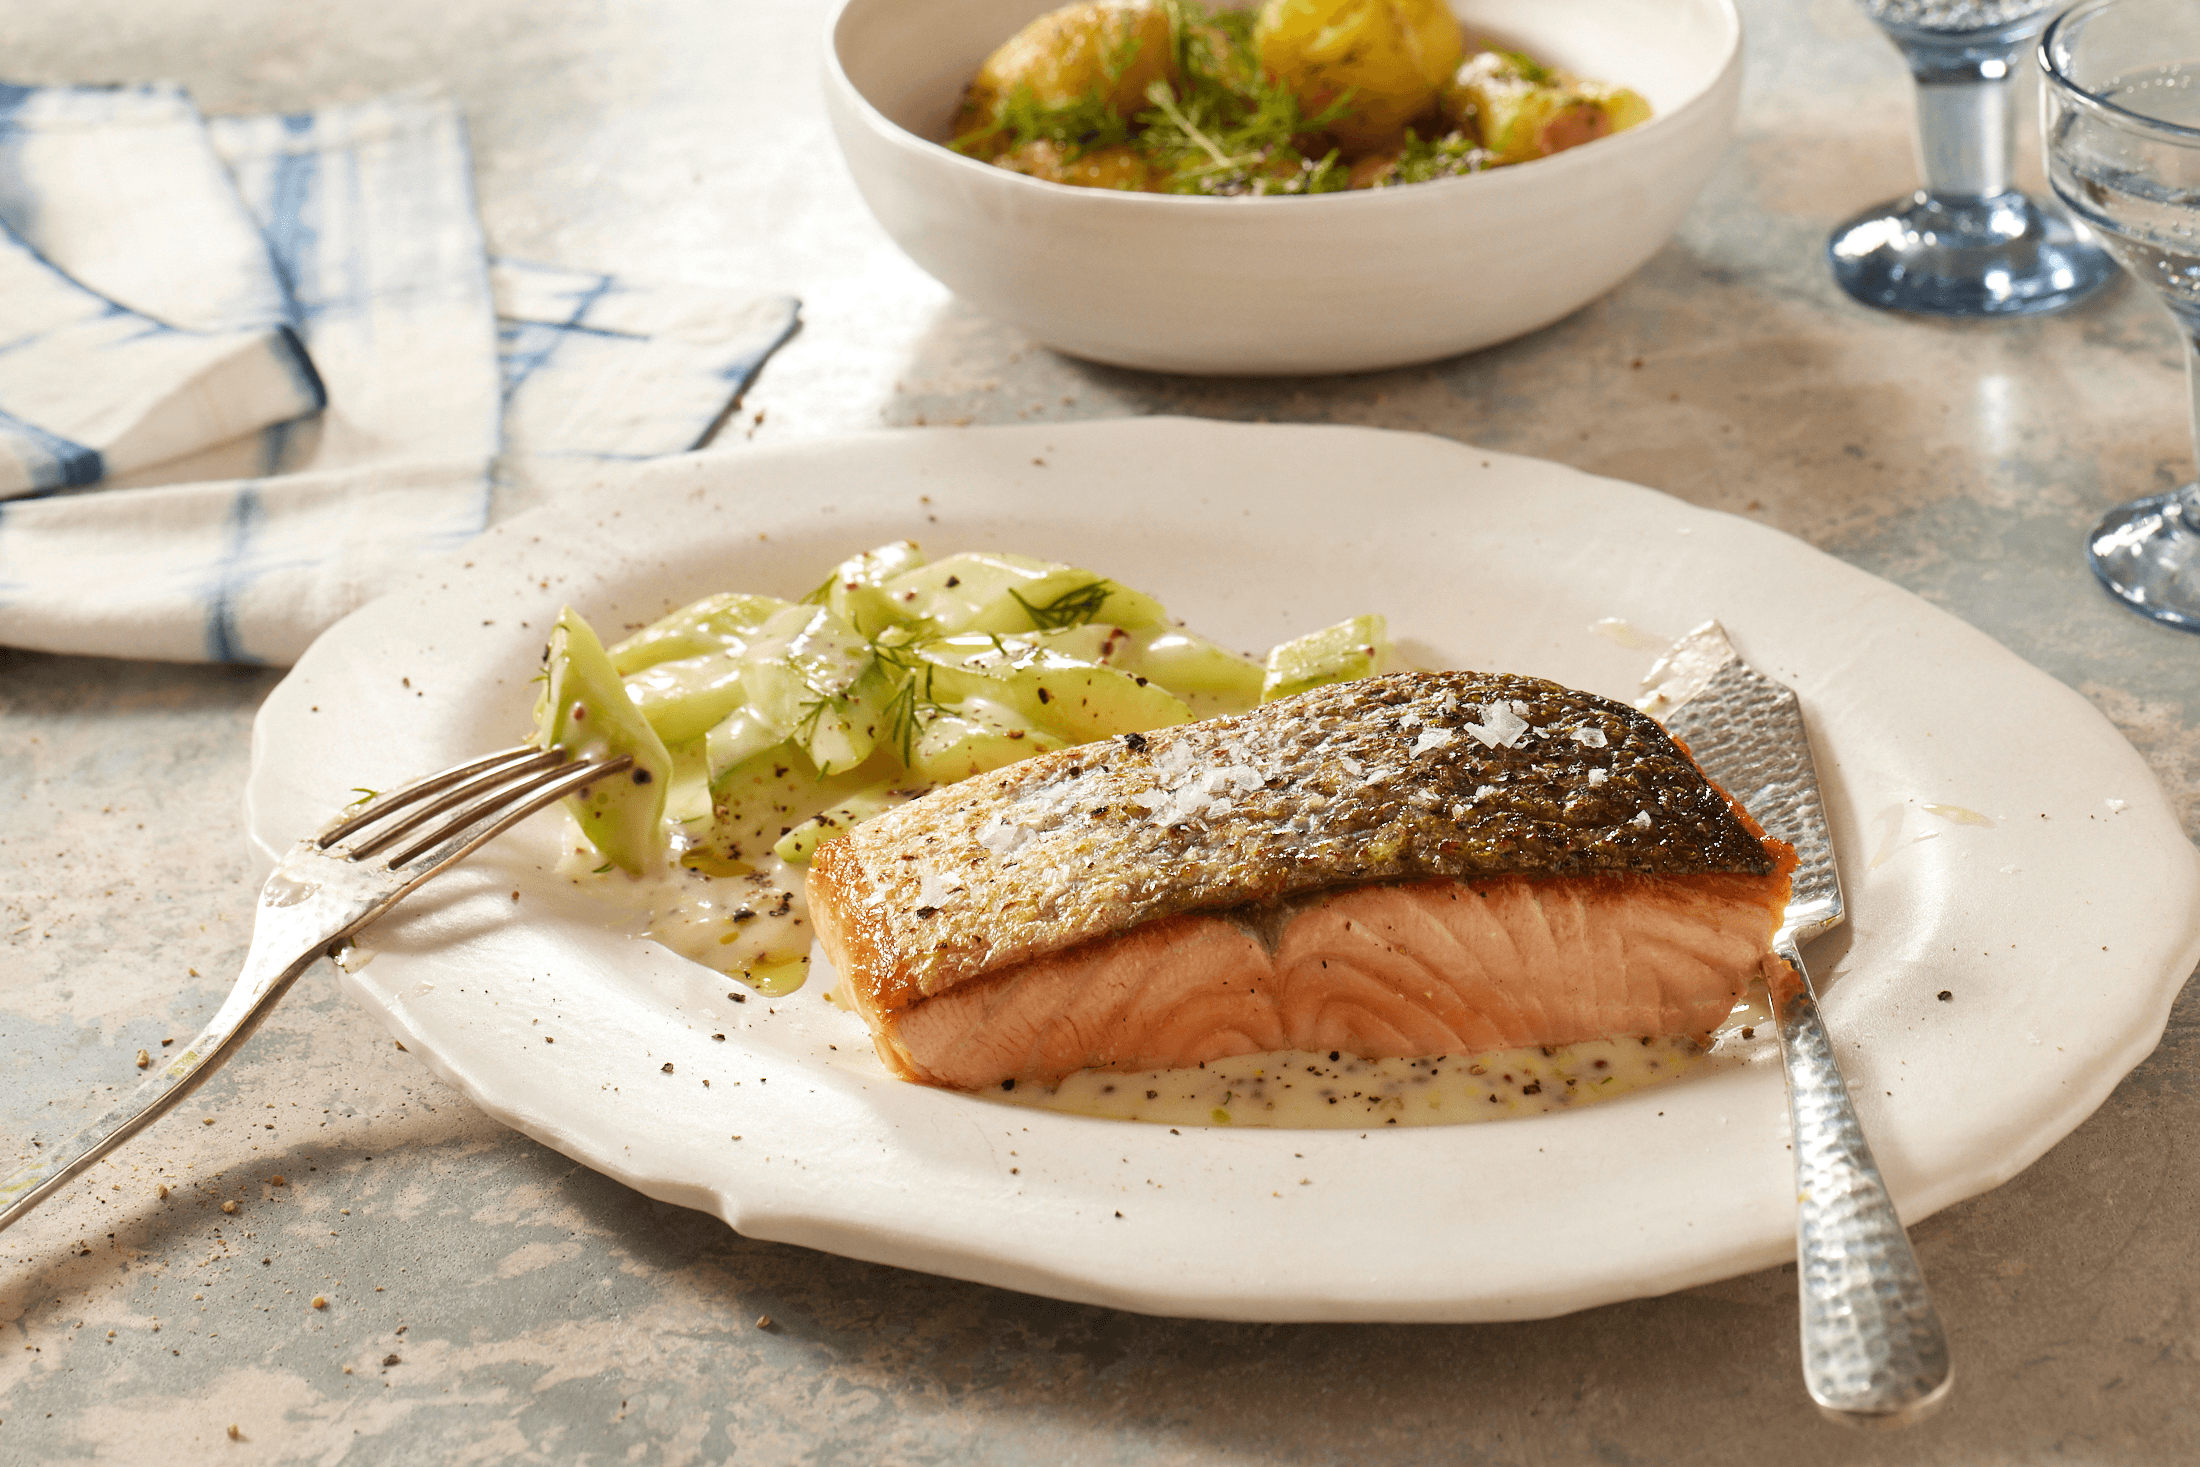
(1225, 127)
(1424, 160)
(1075, 127)
(914, 703)
(1527, 68)
(908, 712)
(1073, 608)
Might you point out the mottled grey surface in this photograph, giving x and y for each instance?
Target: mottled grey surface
(540, 1313)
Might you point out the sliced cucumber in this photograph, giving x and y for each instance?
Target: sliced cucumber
(1350, 649)
(975, 736)
(815, 678)
(767, 795)
(1076, 699)
(993, 591)
(739, 737)
(799, 844)
(1187, 663)
(950, 592)
(683, 699)
(722, 623)
(585, 710)
(856, 589)
(1068, 597)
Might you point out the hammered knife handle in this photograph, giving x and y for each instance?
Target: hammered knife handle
(1874, 1353)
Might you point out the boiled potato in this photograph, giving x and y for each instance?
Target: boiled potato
(1522, 111)
(1392, 56)
(1118, 167)
(1106, 50)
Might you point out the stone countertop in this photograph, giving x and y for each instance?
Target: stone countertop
(488, 1300)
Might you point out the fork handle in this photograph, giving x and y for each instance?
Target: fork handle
(269, 970)
(1874, 1353)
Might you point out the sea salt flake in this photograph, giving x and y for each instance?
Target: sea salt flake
(1598, 776)
(1499, 725)
(1186, 804)
(931, 890)
(1351, 765)
(2115, 807)
(1641, 821)
(1483, 790)
(1592, 738)
(1001, 837)
(1432, 738)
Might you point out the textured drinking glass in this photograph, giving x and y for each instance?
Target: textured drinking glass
(2120, 112)
(1967, 243)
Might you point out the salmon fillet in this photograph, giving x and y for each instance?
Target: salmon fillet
(1408, 866)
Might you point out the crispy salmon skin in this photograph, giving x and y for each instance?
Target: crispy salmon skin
(1418, 864)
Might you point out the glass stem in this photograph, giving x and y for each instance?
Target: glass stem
(2188, 498)
(1966, 145)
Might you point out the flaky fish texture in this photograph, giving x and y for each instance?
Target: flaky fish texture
(1029, 885)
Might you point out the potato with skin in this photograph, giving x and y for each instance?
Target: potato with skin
(1111, 50)
(1521, 111)
(1392, 56)
(1118, 166)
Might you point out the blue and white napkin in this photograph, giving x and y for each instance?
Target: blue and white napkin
(253, 369)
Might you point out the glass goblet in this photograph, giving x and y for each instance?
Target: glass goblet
(1968, 243)
(2120, 113)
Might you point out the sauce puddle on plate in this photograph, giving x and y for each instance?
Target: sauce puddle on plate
(1304, 1091)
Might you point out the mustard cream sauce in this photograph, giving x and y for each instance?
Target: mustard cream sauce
(1334, 1091)
(750, 925)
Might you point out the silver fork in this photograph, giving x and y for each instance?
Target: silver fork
(328, 887)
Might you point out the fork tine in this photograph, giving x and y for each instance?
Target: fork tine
(542, 788)
(524, 770)
(517, 758)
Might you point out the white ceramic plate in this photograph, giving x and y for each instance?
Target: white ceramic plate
(2061, 931)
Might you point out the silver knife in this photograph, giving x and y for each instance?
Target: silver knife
(1874, 1353)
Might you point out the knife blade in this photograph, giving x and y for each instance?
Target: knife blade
(1874, 1351)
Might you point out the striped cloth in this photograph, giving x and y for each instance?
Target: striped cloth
(290, 368)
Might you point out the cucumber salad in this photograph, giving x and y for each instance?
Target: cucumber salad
(760, 728)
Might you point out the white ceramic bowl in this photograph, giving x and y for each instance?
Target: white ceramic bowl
(1276, 286)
